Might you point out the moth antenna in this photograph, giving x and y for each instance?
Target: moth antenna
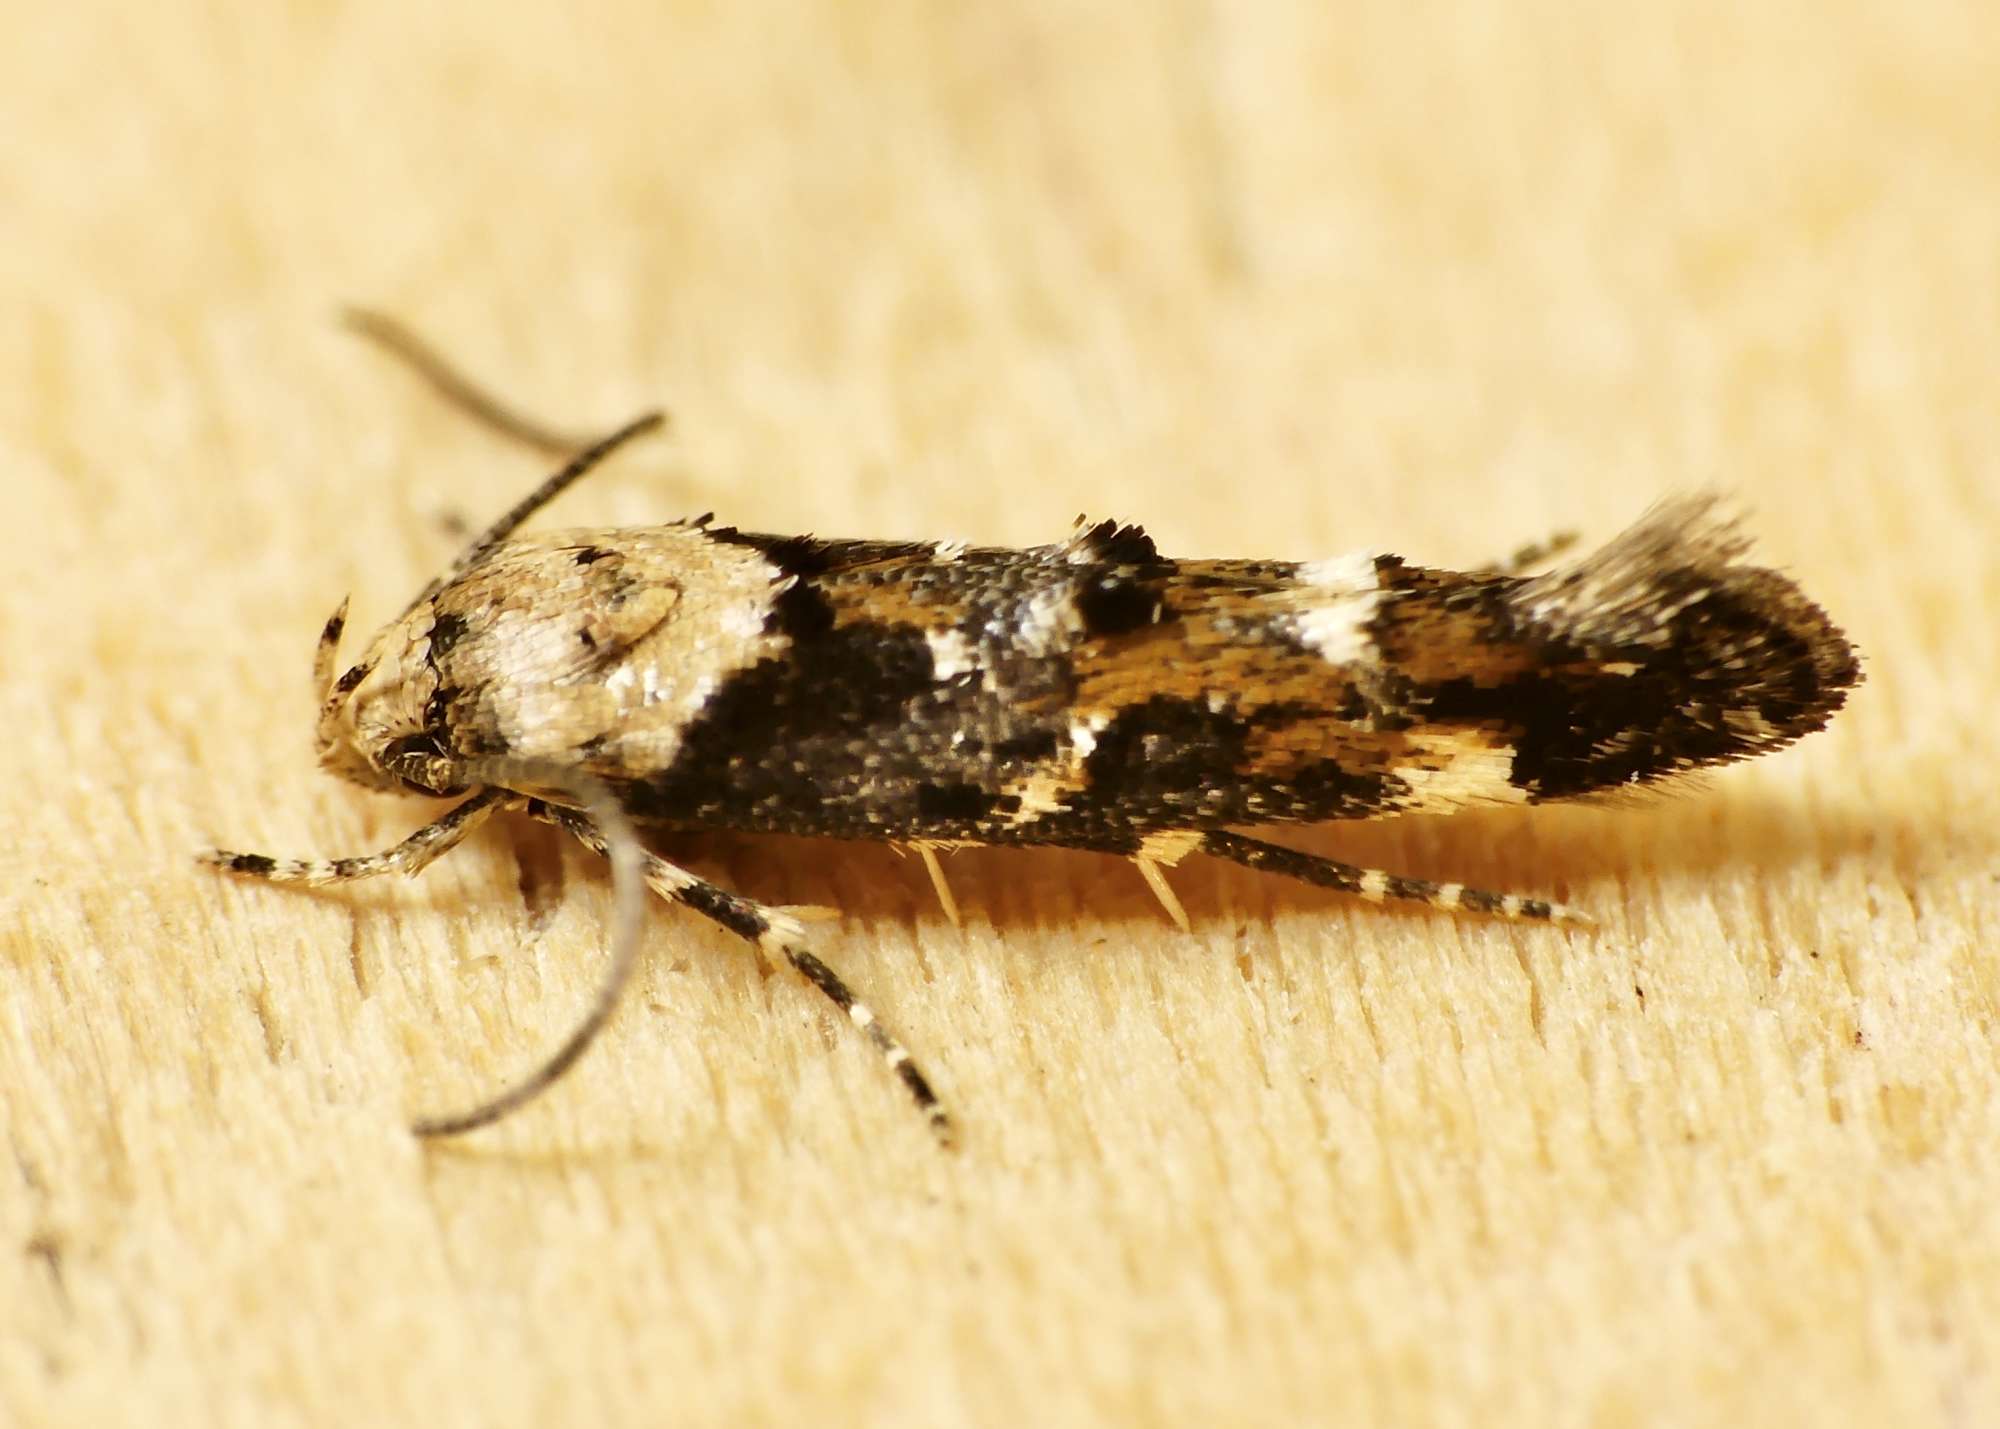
(776, 933)
(628, 892)
(403, 344)
(575, 468)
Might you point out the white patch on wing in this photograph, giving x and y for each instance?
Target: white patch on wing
(1083, 737)
(1337, 628)
(951, 653)
(1049, 621)
(1338, 601)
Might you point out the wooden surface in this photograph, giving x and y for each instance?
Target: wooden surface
(1284, 280)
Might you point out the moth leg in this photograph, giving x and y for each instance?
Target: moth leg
(1532, 555)
(928, 853)
(410, 857)
(456, 388)
(777, 935)
(1149, 869)
(1372, 885)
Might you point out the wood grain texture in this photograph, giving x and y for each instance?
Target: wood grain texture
(1278, 279)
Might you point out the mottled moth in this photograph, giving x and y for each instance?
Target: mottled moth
(1089, 694)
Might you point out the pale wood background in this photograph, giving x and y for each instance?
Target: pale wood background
(1282, 279)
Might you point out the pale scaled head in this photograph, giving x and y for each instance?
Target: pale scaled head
(385, 722)
(583, 652)
(373, 722)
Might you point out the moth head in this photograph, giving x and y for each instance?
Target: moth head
(550, 651)
(383, 722)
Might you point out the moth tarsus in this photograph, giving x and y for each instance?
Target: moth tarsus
(1089, 694)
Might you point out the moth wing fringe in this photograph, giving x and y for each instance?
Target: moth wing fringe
(1742, 637)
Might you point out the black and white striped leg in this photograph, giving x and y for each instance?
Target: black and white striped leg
(1375, 886)
(778, 935)
(410, 857)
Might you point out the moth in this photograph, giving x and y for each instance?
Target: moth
(1088, 694)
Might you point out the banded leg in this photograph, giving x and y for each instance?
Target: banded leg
(1375, 886)
(778, 935)
(410, 857)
